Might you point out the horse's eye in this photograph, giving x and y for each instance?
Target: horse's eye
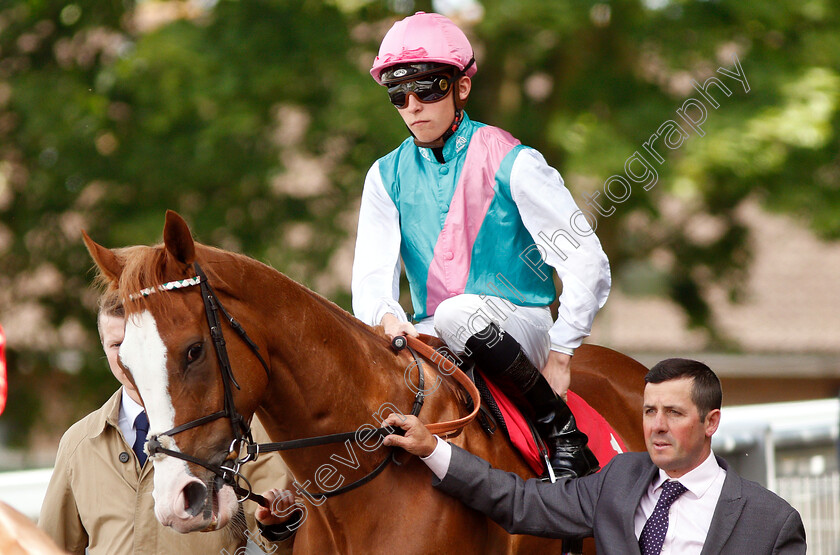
(194, 352)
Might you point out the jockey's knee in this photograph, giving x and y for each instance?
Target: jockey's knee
(449, 316)
(460, 317)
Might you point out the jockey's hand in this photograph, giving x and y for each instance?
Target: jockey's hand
(558, 372)
(394, 326)
(282, 507)
(417, 439)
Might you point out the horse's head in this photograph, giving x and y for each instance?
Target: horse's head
(169, 354)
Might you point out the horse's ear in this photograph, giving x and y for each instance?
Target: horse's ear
(178, 238)
(105, 259)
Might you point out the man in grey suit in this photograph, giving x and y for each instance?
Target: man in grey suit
(678, 498)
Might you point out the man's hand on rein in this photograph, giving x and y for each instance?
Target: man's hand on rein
(417, 439)
(281, 507)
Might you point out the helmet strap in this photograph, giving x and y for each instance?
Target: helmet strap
(440, 141)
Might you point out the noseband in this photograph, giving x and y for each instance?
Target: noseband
(229, 470)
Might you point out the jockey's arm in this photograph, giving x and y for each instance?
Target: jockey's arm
(375, 284)
(394, 326)
(558, 372)
(554, 220)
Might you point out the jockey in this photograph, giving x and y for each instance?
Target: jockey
(462, 203)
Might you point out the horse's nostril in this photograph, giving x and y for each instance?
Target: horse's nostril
(195, 493)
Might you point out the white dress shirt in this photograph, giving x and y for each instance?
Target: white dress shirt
(691, 514)
(129, 409)
(438, 460)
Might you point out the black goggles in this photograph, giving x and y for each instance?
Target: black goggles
(427, 89)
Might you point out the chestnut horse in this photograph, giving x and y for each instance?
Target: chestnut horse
(325, 372)
(21, 536)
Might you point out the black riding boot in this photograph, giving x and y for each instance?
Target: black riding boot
(500, 355)
(570, 457)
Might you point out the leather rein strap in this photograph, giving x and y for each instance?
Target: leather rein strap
(446, 429)
(449, 428)
(240, 426)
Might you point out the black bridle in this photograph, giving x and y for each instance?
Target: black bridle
(229, 470)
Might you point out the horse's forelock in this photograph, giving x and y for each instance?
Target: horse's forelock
(146, 266)
(143, 267)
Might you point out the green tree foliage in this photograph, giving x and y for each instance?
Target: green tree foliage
(254, 120)
(619, 70)
(257, 120)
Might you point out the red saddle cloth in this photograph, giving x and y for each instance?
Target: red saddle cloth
(604, 441)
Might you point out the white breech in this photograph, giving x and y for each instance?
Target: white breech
(459, 317)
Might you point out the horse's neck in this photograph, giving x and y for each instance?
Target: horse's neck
(329, 372)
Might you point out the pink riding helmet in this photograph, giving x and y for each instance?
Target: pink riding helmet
(424, 37)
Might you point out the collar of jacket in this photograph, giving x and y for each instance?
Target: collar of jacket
(108, 416)
(455, 145)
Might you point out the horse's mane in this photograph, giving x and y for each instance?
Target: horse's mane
(144, 266)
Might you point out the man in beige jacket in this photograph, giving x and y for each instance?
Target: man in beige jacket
(100, 493)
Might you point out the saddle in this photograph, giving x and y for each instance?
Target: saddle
(604, 441)
(499, 411)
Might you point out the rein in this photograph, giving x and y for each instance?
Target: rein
(241, 427)
(449, 428)
(446, 429)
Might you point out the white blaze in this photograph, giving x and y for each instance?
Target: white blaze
(144, 354)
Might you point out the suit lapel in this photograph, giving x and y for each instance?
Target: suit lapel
(631, 503)
(728, 510)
